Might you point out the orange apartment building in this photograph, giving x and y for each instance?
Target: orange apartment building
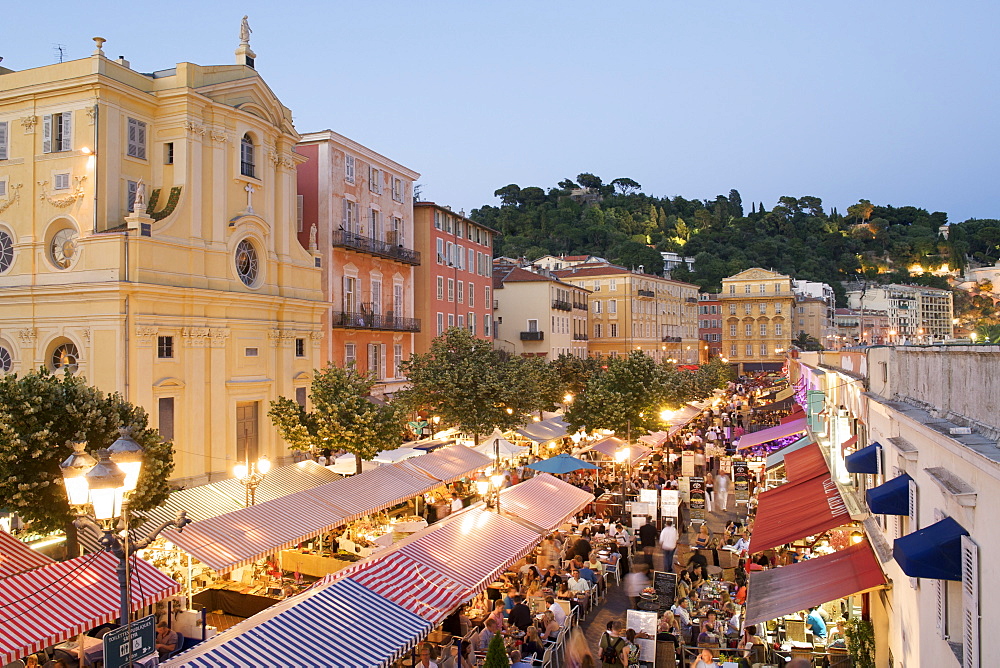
(453, 284)
(356, 207)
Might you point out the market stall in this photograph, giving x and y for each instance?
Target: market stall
(16, 557)
(541, 435)
(38, 614)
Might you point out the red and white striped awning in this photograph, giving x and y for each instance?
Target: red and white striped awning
(48, 605)
(371, 491)
(410, 584)
(246, 535)
(545, 501)
(15, 557)
(655, 439)
(451, 463)
(474, 547)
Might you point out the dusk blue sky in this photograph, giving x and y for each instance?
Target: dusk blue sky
(891, 101)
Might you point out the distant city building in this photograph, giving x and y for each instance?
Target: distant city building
(361, 204)
(555, 262)
(629, 310)
(916, 313)
(538, 315)
(674, 260)
(454, 282)
(757, 311)
(847, 324)
(709, 326)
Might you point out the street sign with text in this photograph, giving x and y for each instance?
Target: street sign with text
(130, 643)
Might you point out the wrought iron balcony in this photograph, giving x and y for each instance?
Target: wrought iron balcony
(581, 306)
(671, 339)
(359, 242)
(581, 337)
(532, 336)
(364, 320)
(561, 305)
(646, 293)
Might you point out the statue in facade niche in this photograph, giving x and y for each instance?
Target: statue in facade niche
(313, 233)
(139, 206)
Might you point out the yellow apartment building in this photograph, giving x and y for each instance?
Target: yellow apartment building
(629, 310)
(148, 243)
(757, 311)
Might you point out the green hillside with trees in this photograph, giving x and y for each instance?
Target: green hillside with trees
(796, 236)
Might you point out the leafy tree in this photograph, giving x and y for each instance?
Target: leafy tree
(627, 397)
(626, 186)
(590, 181)
(736, 203)
(574, 372)
(535, 386)
(509, 194)
(466, 382)
(806, 342)
(41, 415)
(633, 254)
(343, 416)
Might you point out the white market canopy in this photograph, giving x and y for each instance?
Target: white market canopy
(507, 449)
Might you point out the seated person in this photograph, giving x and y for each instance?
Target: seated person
(552, 580)
(167, 640)
(532, 646)
(667, 629)
(708, 635)
(816, 624)
(425, 657)
(557, 610)
(517, 662)
(487, 634)
(548, 627)
(577, 583)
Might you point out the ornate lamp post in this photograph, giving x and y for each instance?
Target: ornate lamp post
(102, 486)
(250, 475)
(621, 457)
(489, 487)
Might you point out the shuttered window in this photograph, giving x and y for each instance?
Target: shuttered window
(942, 609)
(914, 524)
(57, 132)
(130, 190)
(397, 360)
(4, 141)
(970, 603)
(299, 205)
(349, 168)
(377, 297)
(300, 396)
(350, 223)
(136, 139)
(166, 418)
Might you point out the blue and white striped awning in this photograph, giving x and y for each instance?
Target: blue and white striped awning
(343, 625)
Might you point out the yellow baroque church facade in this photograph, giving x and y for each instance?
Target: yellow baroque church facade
(148, 241)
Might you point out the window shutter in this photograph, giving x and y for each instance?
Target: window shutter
(970, 603)
(140, 138)
(942, 609)
(67, 131)
(381, 361)
(299, 206)
(132, 187)
(47, 133)
(3, 140)
(133, 140)
(372, 347)
(913, 506)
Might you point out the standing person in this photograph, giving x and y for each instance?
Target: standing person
(668, 543)
(425, 657)
(612, 645)
(578, 654)
(631, 652)
(709, 491)
(456, 502)
(635, 582)
(647, 538)
(721, 492)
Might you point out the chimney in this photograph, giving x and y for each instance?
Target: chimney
(124, 63)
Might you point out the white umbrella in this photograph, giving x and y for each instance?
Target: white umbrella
(507, 449)
(397, 455)
(346, 465)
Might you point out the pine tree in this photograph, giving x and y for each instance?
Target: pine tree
(496, 655)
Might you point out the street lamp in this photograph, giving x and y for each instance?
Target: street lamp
(103, 486)
(250, 475)
(489, 486)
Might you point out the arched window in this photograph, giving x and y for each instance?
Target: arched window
(65, 356)
(247, 156)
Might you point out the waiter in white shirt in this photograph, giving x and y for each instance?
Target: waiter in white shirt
(668, 543)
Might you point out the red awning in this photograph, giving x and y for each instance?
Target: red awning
(793, 416)
(15, 557)
(607, 447)
(787, 589)
(772, 433)
(450, 464)
(796, 510)
(849, 443)
(53, 603)
(805, 463)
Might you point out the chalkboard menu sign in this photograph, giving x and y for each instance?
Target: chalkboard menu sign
(697, 499)
(741, 480)
(687, 463)
(665, 586)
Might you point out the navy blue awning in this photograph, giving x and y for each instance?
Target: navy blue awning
(865, 460)
(933, 552)
(892, 498)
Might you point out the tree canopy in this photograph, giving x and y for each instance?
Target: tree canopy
(41, 415)
(344, 416)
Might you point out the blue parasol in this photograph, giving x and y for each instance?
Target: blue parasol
(561, 464)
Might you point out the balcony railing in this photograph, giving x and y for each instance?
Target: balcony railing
(671, 339)
(691, 300)
(358, 242)
(387, 321)
(561, 305)
(581, 337)
(532, 336)
(646, 293)
(581, 306)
